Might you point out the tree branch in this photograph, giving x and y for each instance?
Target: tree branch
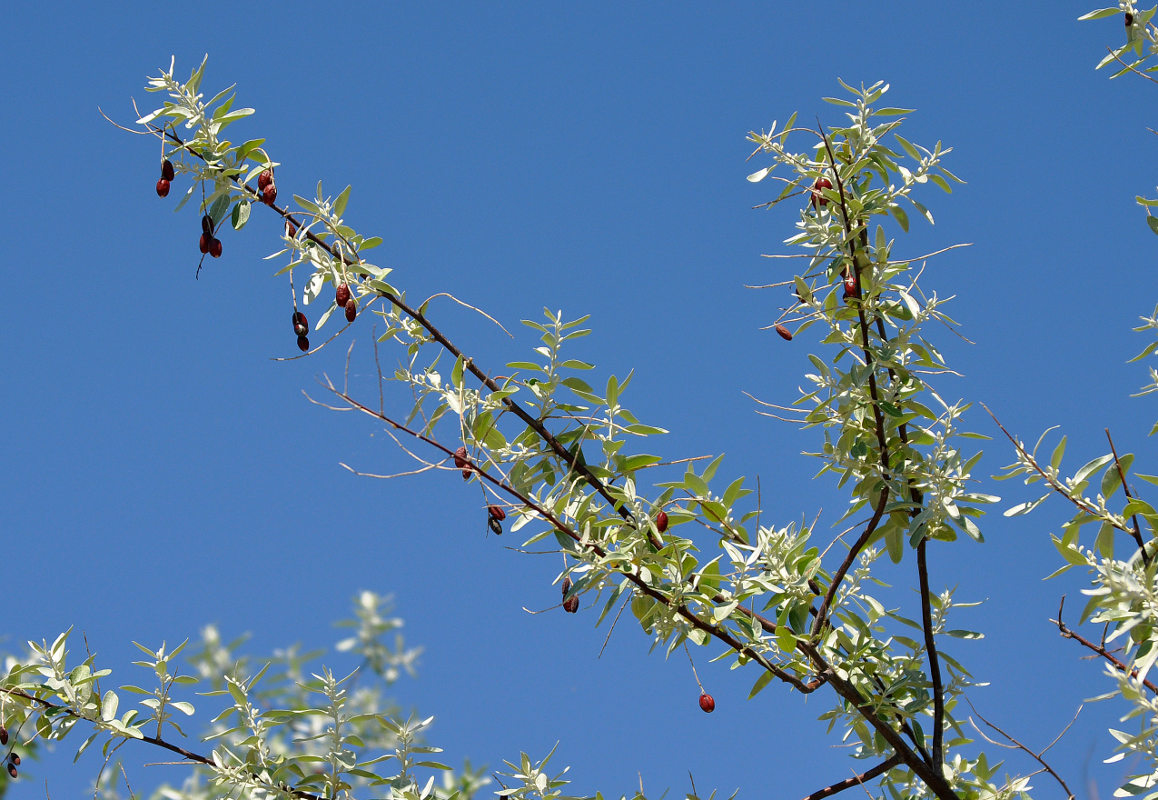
(931, 649)
(856, 780)
(1068, 633)
(1126, 489)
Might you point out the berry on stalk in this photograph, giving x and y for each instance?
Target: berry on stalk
(269, 195)
(661, 521)
(351, 309)
(495, 526)
(303, 343)
(167, 170)
(203, 244)
(215, 247)
(785, 334)
(342, 294)
(207, 224)
(496, 512)
(707, 703)
(162, 188)
(460, 457)
(849, 286)
(264, 179)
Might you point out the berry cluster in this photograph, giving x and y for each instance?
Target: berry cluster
(570, 604)
(267, 187)
(13, 757)
(166, 178)
(344, 300)
(209, 243)
(495, 517)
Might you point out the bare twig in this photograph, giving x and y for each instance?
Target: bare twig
(1068, 633)
(1018, 745)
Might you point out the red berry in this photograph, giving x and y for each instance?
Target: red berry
(817, 198)
(215, 247)
(207, 224)
(12, 770)
(707, 703)
(849, 286)
(784, 332)
(162, 188)
(3, 735)
(301, 326)
(661, 521)
(571, 604)
(351, 309)
(303, 344)
(203, 245)
(167, 169)
(460, 457)
(466, 473)
(342, 294)
(264, 179)
(269, 194)
(14, 757)
(496, 512)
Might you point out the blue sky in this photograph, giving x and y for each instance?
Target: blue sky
(163, 472)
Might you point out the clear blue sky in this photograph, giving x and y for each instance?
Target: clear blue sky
(162, 472)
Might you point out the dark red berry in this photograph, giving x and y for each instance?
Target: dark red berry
(466, 473)
(342, 294)
(849, 286)
(495, 526)
(162, 188)
(264, 179)
(661, 521)
(819, 200)
(3, 735)
(167, 170)
(1129, 19)
(14, 757)
(269, 195)
(351, 309)
(496, 512)
(460, 457)
(207, 224)
(785, 334)
(203, 245)
(303, 344)
(707, 703)
(215, 247)
(301, 325)
(571, 604)
(12, 770)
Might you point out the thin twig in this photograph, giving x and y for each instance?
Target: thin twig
(1035, 756)
(1126, 489)
(931, 649)
(1069, 633)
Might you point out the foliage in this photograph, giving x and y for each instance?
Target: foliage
(562, 456)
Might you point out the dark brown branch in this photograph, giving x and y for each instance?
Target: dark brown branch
(1068, 633)
(931, 649)
(856, 780)
(1126, 489)
(838, 576)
